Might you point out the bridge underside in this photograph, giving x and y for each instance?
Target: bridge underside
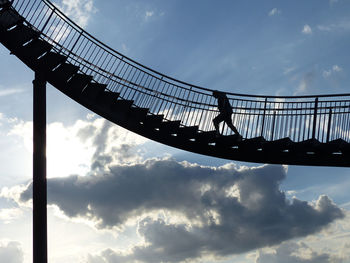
(25, 42)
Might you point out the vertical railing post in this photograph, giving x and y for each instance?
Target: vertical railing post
(315, 119)
(75, 43)
(263, 120)
(273, 125)
(47, 20)
(39, 170)
(329, 124)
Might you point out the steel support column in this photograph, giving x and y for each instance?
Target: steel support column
(39, 170)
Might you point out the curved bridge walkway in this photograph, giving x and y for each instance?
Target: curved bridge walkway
(305, 130)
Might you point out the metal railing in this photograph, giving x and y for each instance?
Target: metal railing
(322, 117)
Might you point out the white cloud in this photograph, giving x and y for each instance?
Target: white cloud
(274, 11)
(336, 68)
(125, 47)
(305, 83)
(78, 146)
(341, 25)
(7, 92)
(291, 252)
(326, 73)
(288, 70)
(324, 28)
(9, 214)
(149, 14)
(90, 116)
(152, 14)
(78, 10)
(11, 252)
(329, 72)
(307, 30)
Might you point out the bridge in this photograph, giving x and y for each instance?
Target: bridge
(302, 130)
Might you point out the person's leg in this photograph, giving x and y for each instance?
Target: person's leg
(229, 123)
(216, 122)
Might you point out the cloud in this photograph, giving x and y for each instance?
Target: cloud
(291, 252)
(149, 14)
(220, 211)
(307, 30)
(85, 145)
(341, 25)
(7, 92)
(326, 73)
(305, 83)
(329, 72)
(324, 28)
(79, 10)
(11, 252)
(274, 11)
(336, 68)
(9, 214)
(183, 211)
(288, 70)
(125, 48)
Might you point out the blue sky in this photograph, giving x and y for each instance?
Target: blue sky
(180, 205)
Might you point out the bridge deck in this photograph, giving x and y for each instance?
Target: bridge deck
(304, 130)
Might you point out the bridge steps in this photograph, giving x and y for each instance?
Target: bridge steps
(49, 61)
(344, 147)
(93, 90)
(24, 42)
(61, 74)
(309, 146)
(138, 114)
(153, 121)
(206, 137)
(106, 99)
(10, 18)
(32, 50)
(169, 127)
(122, 105)
(124, 110)
(228, 141)
(335, 146)
(20, 35)
(77, 84)
(279, 145)
(189, 132)
(252, 144)
(5, 4)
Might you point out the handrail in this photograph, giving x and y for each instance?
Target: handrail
(107, 47)
(323, 117)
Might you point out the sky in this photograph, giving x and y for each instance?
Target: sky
(116, 197)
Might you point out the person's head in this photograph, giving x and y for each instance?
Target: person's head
(218, 94)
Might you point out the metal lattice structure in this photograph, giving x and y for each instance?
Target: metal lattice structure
(307, 130)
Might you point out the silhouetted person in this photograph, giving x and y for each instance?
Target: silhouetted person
(225, 110)
(4, 2)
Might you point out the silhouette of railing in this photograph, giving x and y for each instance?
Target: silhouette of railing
(321, 117)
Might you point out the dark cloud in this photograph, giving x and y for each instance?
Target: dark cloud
(11, 253)
(100, 139)
(102, 133)
(100, 158)
(231, 210)
(84, 133)
(292, 252)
